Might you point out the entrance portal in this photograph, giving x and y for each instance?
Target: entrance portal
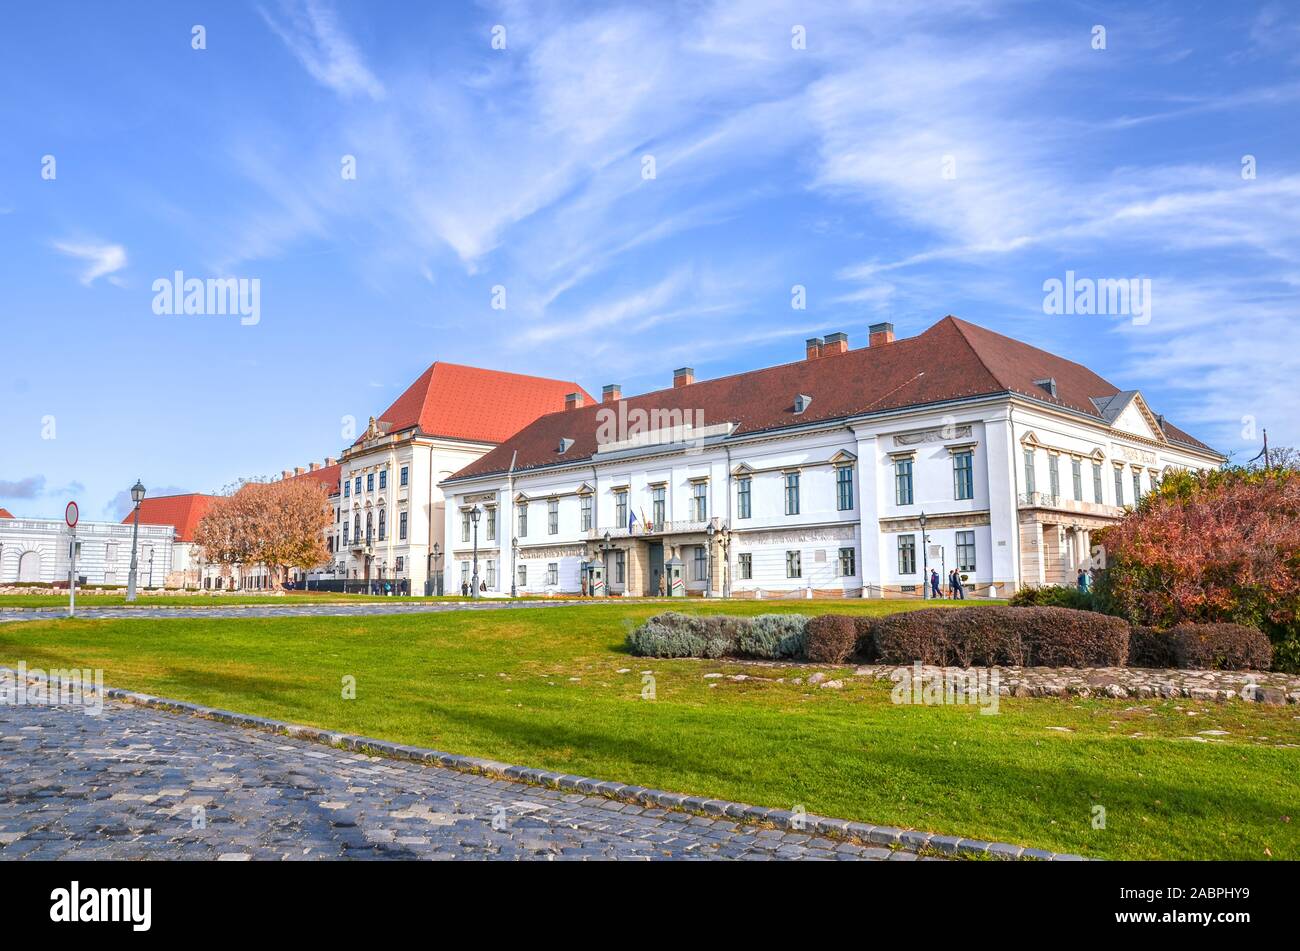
(656, 568)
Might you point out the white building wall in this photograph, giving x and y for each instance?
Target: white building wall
(105, 556)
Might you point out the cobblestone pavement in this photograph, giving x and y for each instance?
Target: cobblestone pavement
(133, 783)
(291, 610)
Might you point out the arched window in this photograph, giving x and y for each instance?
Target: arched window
(356, 528)
(369, 526)
(383, 523)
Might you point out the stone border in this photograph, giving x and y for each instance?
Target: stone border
(887, 836)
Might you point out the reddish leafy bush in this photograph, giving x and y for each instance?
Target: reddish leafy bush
(1211, 547)
(1220, 647)
(831, 638)
(865, 629)
(984, 636)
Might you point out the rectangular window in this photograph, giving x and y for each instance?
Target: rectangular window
(552, 573)
(620, 507)
(793, 564)
(370, 482)
(404, 476)
(401, 526)
(903, 481)
(521, 575)
(965, 551)
(1137, 485)
(345, 533)
(792, 493)
(401, 564)
(383, 478)
(700, 501)
(844, 488)
(746, 566)
(1096, 482)
(963, 475)
(347, 489)
(553, 516)
(848, 563)
(383, 524)
(464, 525)
(1030, 486)
(356, 486)
(1076, 471)
(490, 521)
(743, 488)
(620, 567)
(491, 573)
(658, 506)
(907, 554)
(464, 574)
(1119, 486)
(521, 509)
(1054, 475)
(584, 511)
(701, 563)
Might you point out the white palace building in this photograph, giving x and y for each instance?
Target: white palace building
(814, 478)
(810, 479)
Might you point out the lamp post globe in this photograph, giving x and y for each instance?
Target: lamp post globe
(137, 496)
(514, 567)
(474, 515)
(925, 562)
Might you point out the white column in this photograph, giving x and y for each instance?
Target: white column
(868, 470)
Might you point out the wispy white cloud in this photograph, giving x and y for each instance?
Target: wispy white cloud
(102, 260)
(314, 35)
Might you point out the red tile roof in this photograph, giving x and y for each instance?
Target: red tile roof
(951, 360)
(182, 512)
(461, 402)
(327, 476)
(4, 513)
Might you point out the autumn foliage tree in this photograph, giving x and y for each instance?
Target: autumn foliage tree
(1220, 546)
(279, 525)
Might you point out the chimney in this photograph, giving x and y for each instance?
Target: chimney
(611, 393)
(683, 376)
(297, 470)
(313, 466)
(880, 334)
(812, 348)
(330, 460)
(572, 401)
(285, 473)
(835, 343)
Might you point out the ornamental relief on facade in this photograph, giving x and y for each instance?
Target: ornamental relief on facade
(837, 533)
(1135, 455)
(555, 551)
(942, 434)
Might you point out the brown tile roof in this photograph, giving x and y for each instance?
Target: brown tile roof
(182, 512)
(951, 360)
(5, 513)
(327, 476)
(461, 402)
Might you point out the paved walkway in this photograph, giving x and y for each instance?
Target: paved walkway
(134, 783)
(293, 610)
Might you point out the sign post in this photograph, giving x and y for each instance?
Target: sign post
(70, 515)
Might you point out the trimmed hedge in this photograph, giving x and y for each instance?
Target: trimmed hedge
(1054, 596)
(1150, 647)
(774, 637)
(864, 627)
(680, 635)
(831, 638)
(1220, 647)
(985, 636)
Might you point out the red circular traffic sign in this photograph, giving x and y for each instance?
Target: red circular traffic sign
(71, 514)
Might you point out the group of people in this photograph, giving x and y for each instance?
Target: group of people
(465, 588)
(956, 587)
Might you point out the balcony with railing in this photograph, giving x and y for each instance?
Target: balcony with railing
(1060, 503)
(651, 529)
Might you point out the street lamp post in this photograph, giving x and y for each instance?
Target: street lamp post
(514, 567)
(925, 563)
(435, 577)
(151, 567)
(709, 532)
(137, 496)
(474, 514)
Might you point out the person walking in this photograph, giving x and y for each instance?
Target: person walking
(1083, 581)
(464, 589)
(934, 583)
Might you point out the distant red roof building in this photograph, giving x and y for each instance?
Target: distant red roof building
(460, 402)
(182, 512)
(5, 513)
(327, 476)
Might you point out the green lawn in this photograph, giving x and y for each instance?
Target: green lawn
(541, 688)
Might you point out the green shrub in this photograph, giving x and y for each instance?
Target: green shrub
(910, 636)
(1220, 647)
(1150, 647)
(1054, 596)
(679, 635)
(774, 637)
(831, 638)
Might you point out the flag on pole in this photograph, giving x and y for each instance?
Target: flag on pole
(631, 520)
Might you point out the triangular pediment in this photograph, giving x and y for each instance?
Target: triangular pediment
(1127, 412)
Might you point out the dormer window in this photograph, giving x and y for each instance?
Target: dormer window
(564, 446)
(801, 403)
(1048, 384)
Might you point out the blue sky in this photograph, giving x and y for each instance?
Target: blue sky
(907, 163)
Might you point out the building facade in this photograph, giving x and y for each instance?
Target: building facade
(36, 550)
(848, 473)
